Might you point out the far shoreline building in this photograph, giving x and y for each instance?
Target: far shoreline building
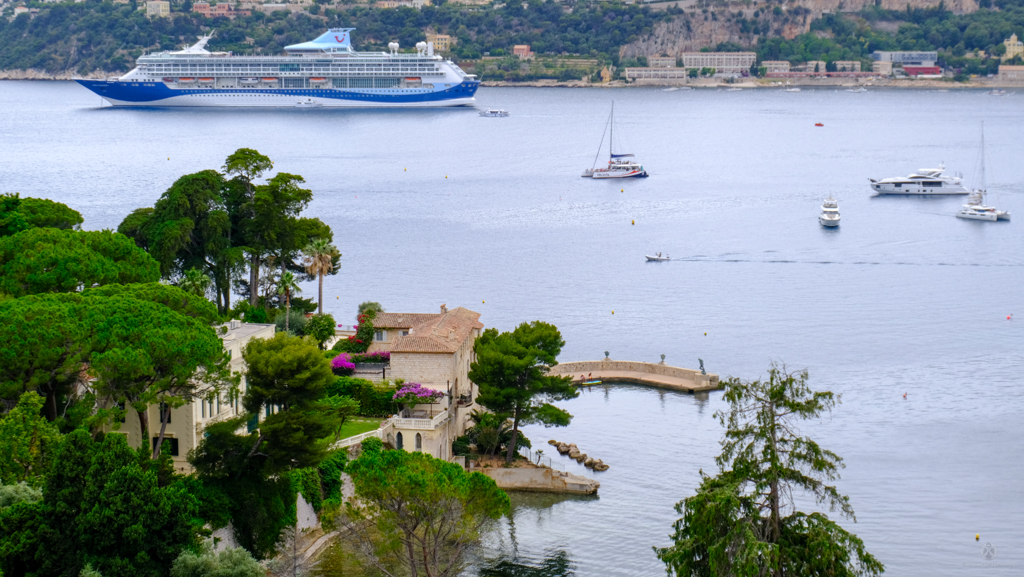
(724, 63)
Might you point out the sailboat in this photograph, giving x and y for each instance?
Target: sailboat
(975, 208)
(619, 165)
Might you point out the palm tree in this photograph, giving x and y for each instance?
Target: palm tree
(286, 285)
(318, 258)
(195, 282)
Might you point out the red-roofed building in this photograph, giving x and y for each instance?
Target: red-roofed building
(435, 350)
(922, 70)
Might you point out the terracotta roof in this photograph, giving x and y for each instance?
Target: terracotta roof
(441, 333)
(401, 320)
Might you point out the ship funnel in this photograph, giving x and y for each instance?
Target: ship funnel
(421, 47)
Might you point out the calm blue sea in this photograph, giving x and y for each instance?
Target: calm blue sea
(434, 207)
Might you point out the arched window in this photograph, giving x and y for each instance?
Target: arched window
(419, 442)
(398, 437)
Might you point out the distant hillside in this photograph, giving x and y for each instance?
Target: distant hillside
(806, 33)
(100, 38)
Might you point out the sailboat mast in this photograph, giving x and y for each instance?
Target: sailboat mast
(611, 134)
(983, 185)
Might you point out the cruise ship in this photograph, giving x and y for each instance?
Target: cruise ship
(324, 72)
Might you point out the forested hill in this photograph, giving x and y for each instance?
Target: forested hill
(93, 36)
(99, 37)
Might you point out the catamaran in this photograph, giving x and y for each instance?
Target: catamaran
(975, 208)
(323, 72)
(619, 165)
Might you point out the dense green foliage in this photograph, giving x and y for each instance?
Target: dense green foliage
(133, 339)
(737, 523)
(418, 511)
(42, 260)
(11, 495)
(321, 329)
(374, 400)
(189, 228)
(172, 297)
(287, 380)
(230, 562)
(511, 369)
(491, 433)
(206, 225)
(27, 442)
(103, 505)
(856, 36)
(18, 214)
(93, 35)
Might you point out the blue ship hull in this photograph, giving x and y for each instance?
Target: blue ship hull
(158, 94)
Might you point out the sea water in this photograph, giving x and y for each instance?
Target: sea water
(433, 207)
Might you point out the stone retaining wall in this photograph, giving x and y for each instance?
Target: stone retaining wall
(540, 480)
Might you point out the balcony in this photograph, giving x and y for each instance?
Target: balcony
(429, 419)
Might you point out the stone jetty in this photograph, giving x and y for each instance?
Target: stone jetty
(573, 452)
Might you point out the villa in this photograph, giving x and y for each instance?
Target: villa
(436, 351)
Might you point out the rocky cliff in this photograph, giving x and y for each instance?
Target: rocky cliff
(694, 30)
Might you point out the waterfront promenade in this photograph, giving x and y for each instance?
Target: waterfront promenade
(657, 375)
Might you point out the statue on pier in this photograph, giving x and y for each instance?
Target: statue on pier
(702, 371)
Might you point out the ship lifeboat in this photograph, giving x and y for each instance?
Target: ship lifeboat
(248, 80)
(269, 79)
(169, 79)
(206, 80)
(413, 79)
(318, 80)
(186, 80)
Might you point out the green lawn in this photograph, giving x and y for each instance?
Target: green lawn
(359, 425)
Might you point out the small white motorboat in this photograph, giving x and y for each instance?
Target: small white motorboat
(857, 90)
(308, 103)
(829, 216)
(733, 89)
(657, 257)
(997, 92)
(496, 113)
(792, 89)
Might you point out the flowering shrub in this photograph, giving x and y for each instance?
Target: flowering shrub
(416, 394)
(380, 357)
(359, 342)
(342, 365)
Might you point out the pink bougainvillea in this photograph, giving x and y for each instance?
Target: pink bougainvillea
(415, 394)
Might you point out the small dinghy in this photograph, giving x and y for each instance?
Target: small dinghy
(494, 113)
(657, 258)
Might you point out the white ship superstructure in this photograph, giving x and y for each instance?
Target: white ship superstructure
(325, 72)
(930, 181)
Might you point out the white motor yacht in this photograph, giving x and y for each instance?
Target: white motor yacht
(829, 216)
(494, 113)
(857, 90)
(657, 257)
(792, 89)
(931, 181)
